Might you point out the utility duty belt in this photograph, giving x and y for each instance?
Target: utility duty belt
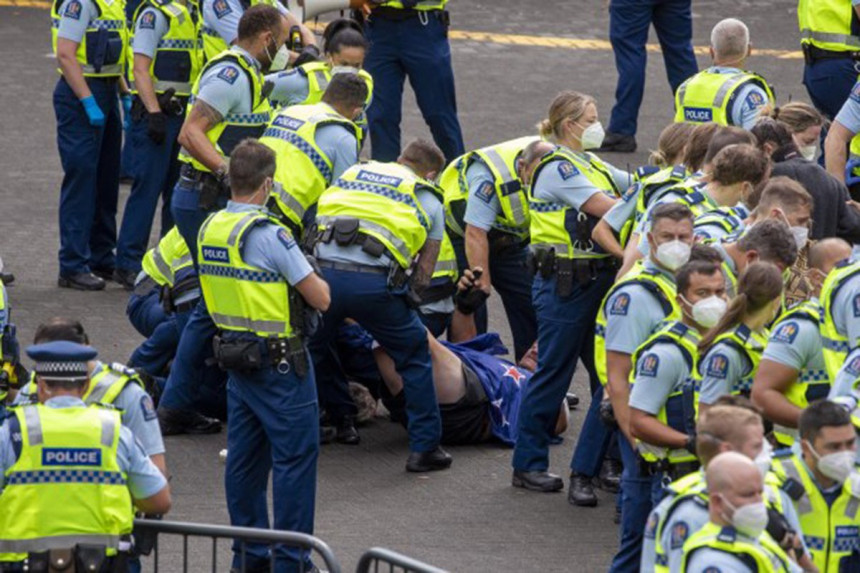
(212, 191)
(250, 354)
(568, 272)
(90, 558)
(812, 53)
(501, 242)
(674, 471)
(401, 14)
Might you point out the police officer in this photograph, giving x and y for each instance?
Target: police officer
(842, 145)
(822, 475)
(64, 443)
(222, 20)
(90, 40)
(164, 65)
(734, 539)
(166, 284)
(256, 281)
(662, 395)
(792, 373)
(628, 31)
(724, 93)
(410, 38)
(228, 104)
(839, 324)
(314, 145)
(570, 184)
(345, 48)
(11, 372)
(828, 36)
(110, 384)
(437, 300)
(380, 229)
(487, 214)
(731, 350)
(731, 425)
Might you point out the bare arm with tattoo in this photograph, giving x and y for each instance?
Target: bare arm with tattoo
(426, 263)
(192, 136)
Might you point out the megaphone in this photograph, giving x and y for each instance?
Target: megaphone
(310, 9)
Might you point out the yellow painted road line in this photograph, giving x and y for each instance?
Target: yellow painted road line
(555, 42)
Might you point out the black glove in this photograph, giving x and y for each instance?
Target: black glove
(777, 526)
(156, 127)
(308, 54)
(607, 414)
(223, 178)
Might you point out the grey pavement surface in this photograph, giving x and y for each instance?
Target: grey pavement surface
(465, 519)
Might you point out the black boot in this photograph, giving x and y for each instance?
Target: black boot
(610, 476)
(537, 481)
(581, 491)
(618, 142)
(173, 422)
(437, 459)
(346, 432)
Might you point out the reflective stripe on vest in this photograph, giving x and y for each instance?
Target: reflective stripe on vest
(214, 44)
(761, 554)
(707, 95)
(828, 24)
(110, 21)
(167, 258)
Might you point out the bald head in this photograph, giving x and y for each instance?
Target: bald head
(824, 254)
(731, 477)
(730, 42)
(529, 158)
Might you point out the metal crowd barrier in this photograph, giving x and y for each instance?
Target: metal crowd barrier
(244, 535)
(378, 559)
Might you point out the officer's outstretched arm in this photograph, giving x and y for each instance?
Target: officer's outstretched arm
(315, 291)
(836, 149)
(771, 383)
(604, 236)
(649, 429)
(192, 136)
(155, 504)
(478, 255)
(67, 59)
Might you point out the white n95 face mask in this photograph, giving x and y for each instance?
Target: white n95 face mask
(281, 59)
(837, 466)
(750, 519)
(673, 254)
(343, 70)
(708, 311)
(592, 136)
(809, 152)
(764, 459)
(801, 235)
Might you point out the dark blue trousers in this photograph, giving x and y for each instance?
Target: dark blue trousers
(829, 83)
(629, 22)
(273, 427)
(145, 312)
(90, 159)
(417, 48)
(156, 352)
(187, 216)
(195, 347)
(155, 169)
(639, 494)
(366, 298)
(513, 283)
(564, 326)
(595, 441)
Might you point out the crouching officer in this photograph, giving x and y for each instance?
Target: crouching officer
(487, 213)
(663, 397)
(164, 64)
(61, 450)
(380, 229)
(256, 283)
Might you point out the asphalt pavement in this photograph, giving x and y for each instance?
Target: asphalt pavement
(510, 59)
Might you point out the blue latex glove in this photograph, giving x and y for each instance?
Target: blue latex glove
(94, 112)
(852, 172)
(126, 111)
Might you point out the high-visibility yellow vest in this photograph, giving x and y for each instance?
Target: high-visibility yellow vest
(381, 196)
(421, 5)
(108, 32)
(811, 384)
(214, 44)
(681, 407)
(234, 127)
(765, 555)
(646, 188)
(659, 285)
(241, 297)
(106, 383)
(179, 54)
(831, 532)
(4, 310)
(501, 160)
(709, 96)
(835, 344)
(829, 25)
(303, 170)
(66, 487)
(446, 262)
(748, 343)
(167, 258)
(553, 225)
(723, 217)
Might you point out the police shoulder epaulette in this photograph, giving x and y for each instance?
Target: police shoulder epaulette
(679, 172)
(793, 488)
(123, 369)
(727, 534)
(679, 328)
(646, 170)
(743, 332)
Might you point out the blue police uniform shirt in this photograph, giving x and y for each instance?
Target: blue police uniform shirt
(354, 255)
(721, 368)
(482, 203)
(4, 312)
(627, 330)
(289, 87)
(225, 86)
(660, 371)
(849, 114)
(796, 343)
(222, 16)
(749, 100)
(707, 560)
(144, 479)
(339, 145)
(560, 181)
(272, 248)
(648, 559)
(75, 18)
(846, 311)
(149, 29)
